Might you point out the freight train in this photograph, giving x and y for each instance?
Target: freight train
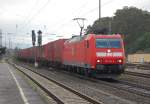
(91, 55)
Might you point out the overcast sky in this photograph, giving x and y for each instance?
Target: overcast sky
(19, 17)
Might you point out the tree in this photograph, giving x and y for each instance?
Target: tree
(100, 26)
(134, 23)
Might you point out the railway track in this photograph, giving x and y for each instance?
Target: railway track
(76, 97)
(139, 66)
(134, 88)
(120, 86)
(145, 87)
(137, 74)
(142, 90)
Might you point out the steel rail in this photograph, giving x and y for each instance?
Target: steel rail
(137, 74)
(89, 99)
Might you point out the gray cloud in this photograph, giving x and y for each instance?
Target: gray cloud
(11, 2)
(57, 15)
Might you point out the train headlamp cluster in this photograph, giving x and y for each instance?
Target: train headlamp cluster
(114, 54)
(112, 61)
(98, 61)
(119, 61)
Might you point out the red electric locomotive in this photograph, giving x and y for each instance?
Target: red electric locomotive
(102, 55)
(98, 55)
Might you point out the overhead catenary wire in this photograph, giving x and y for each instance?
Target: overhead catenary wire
(30, 13)
(3, 10)
(96, 8)
(61, 24)
(66, 18)
(30, 18)
(84, 14)
(37, 13)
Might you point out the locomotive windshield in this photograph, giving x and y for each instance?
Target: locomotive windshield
(108, 43)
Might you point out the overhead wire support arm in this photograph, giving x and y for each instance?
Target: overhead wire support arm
(81, 25)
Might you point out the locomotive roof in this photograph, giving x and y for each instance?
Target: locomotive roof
(108, 36)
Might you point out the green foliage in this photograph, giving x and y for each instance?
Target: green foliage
(100, 26)
(142, 43)
(134, 23)
(2, 50)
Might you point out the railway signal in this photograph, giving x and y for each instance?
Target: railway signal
(34, 48)
(33, 37)
(40, 41)
(39, 37)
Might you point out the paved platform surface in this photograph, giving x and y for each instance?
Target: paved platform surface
(14, 89)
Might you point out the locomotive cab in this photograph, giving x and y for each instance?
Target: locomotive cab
(109, 54)
(101, 55)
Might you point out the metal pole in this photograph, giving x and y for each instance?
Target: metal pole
(110, 27)
(35, 63)
(9, 42)
(0, 38)
(39, 43)
(5, 40)
(34, 47)
(16, 31)
(99, 9)
(81, 31)
(99, 19)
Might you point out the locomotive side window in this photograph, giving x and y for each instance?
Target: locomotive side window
(108, 43)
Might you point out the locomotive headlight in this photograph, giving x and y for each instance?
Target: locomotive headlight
(98, 61)
(99, 54)
(117, 54)
(119, 60)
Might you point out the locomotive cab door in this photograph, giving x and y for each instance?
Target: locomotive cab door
(86, 49)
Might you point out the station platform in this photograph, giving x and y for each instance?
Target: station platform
(14, 89)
